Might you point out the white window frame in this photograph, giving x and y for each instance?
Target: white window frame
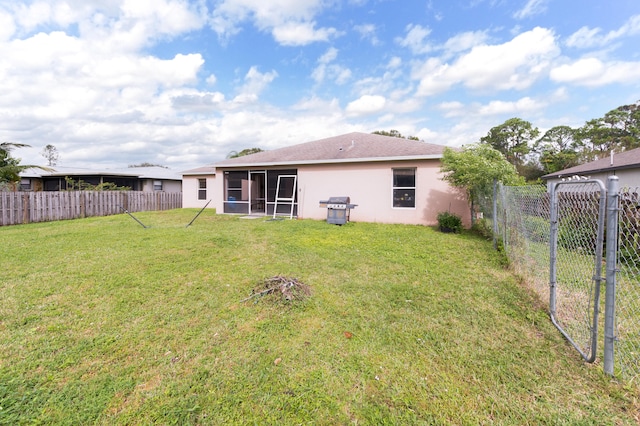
(202, 189)
(399, 188)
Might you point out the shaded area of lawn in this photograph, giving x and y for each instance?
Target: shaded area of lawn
(104, 321)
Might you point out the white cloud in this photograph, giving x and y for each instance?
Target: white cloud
(522, 106)
(452, 108)
(430, 136)
(531, 8)
(368, 32)
(326, 70)
(587, 69)
(416, 39)
(394, 62)
(254, 83)
(465, 41)
(7, 26)
(587, 37)
(290, 21)
(593, 72)
(31, 16)
(317, 104)
(366, 105)
(329, 56)
(301, 33)
(516, 64)
(197, 102)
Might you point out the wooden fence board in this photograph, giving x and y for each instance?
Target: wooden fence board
(44, 206)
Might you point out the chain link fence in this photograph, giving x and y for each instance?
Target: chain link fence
(627, 313)
(556, 241)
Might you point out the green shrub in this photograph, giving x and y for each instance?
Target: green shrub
(449, 222)
(483, 227)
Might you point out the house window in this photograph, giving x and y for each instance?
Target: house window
(202, 189)
(157, 185)
(25, 184)
(404, 188)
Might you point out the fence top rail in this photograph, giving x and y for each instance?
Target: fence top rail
(584, 185)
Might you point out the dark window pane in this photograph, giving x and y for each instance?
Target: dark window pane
(404, 198)
(404, 178)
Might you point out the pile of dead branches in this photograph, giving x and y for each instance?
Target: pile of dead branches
(283, 288)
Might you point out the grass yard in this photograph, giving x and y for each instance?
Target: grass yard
(105, 322)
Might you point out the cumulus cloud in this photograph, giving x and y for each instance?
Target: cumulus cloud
(516, 64)
(366, 105)
(327, 70)
(593, 72)
(587, 37)
(523, 106)
(7, 26)
(465, 41)
(416, 39)
(254, 83)
(290, 22)
(301, 33)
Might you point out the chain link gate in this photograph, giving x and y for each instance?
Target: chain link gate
(578, 211)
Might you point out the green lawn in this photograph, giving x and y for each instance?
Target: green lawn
(103, 321)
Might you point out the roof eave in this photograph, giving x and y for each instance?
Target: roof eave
(584, 172)
(205, 173)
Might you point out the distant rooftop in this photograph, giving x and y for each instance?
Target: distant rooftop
(621, 160)
(139, 172)
(204, 170)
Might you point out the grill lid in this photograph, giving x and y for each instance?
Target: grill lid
(339, 200)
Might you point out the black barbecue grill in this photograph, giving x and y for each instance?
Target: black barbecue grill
(338, 209)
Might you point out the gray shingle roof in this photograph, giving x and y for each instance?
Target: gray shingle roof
(621, 160)
(351, 147)
(204, 170)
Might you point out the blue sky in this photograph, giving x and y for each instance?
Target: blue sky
(182, 83)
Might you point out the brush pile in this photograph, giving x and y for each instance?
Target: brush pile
(283, 288)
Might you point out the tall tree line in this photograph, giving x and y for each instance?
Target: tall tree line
(534, 154)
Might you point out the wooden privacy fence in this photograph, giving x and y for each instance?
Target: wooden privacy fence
(29, 207)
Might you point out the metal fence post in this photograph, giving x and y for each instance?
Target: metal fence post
(495, 214)
(611, 256)
(553, 250)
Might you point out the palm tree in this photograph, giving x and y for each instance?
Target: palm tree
(10, 167)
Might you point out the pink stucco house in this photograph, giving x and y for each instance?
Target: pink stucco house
(392, 180)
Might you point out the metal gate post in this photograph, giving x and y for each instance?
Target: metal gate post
(553, 250)
(495, 214)
(611, 256)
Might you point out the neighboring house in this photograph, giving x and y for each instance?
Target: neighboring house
(147, 179)
(391, 180)
(625, 165)
(198, 186)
